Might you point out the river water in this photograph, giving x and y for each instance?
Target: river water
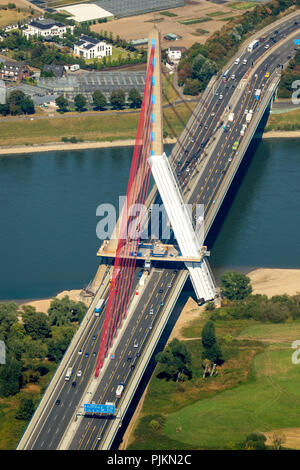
(48, 204)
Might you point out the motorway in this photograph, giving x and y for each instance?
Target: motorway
(200, 161)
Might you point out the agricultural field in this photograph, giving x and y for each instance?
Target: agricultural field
(12, 15)
(257, 389)
(182, 21)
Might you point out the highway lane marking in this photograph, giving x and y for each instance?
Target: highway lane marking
(124, 351)
(145, 338)
(231, 130)
(249, 98)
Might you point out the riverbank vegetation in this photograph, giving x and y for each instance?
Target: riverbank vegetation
(254, 390)
(35, 343)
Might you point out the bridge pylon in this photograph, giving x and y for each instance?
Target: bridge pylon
(169, 191)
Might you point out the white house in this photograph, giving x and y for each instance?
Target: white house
(175, 53)
(90, 48)
(46, 28)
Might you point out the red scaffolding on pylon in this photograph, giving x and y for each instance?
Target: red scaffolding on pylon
(129, 233)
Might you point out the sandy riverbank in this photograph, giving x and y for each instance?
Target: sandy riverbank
(42, 305)
(263, 280)
(281, 135)
(61, 146)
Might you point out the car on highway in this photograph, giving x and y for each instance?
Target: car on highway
(94, 338)
(79, 373)
(135, 344)
(206, 127)
(161, 304)
(86, 355)
(161, 291)
(74, 384)
(129, 359)
(132, 366)
(57, 402)
(267, 75)
(151, 312)
(220, 97)
(216, 93)
(80, 352)
(267, 46)
(94, 354)
(235, 145)
(213, 114)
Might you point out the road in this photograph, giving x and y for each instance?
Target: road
(200, 161)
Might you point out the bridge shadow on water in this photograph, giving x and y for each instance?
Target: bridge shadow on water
(188, 291)
(234, 187)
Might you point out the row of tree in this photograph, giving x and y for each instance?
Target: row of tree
(99, 101)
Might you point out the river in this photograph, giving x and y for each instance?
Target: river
(48, 204)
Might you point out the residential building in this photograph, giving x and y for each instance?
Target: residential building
(174, 54)
(46, 28)
(90, 48)
(14, 71)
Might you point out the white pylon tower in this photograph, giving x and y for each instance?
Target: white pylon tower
(179, 216)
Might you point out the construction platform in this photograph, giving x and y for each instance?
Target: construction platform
(150, 252)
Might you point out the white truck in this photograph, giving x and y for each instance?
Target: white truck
(230, 117)
(244, 127)
(248, 117)
(120, 389)
(69, 373)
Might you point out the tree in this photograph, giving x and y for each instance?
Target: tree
(28, 105)
(117, 99)
(235, 286)
(99, 100)
(135, 98)
(64, 311)
(26, 409)
(62, 104)
(255, 441)
(36, 324)
(278, 438)
(80, 102)
(176, 360)
(212, 350)
(10, 377)
(15, 102)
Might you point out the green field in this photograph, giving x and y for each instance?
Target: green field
(242, 5)
(268, 402)
(96, 128)
(284, 121)
(256, 390)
